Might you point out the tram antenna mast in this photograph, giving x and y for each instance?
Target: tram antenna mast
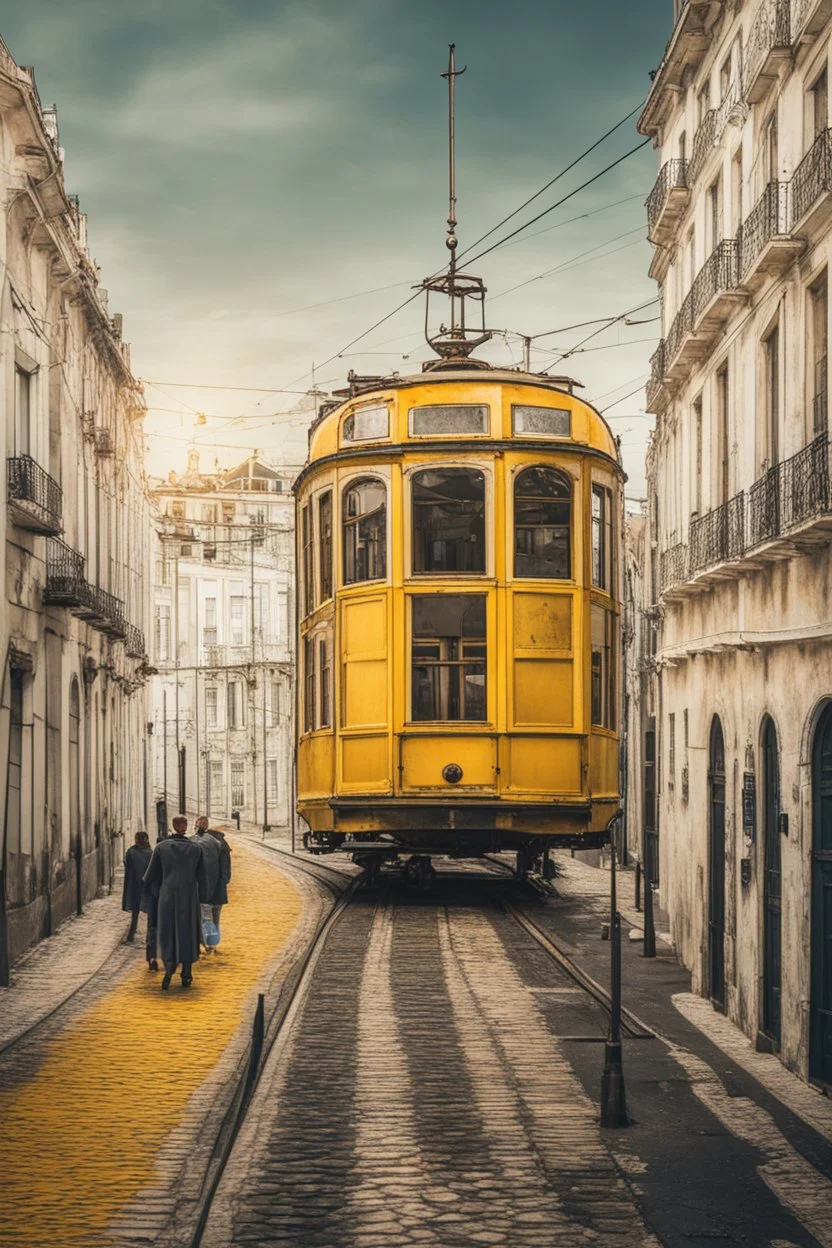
(455, 343)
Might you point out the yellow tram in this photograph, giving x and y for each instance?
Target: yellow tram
(459, 616)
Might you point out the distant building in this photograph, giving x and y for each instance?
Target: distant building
(737, 559)
(75, 550)
(223, 699)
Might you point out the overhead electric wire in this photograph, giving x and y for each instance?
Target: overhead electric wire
(566, 264)
(648, 304)
(623, 399)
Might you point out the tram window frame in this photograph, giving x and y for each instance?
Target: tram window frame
(352, 431)
(307, 540)
(602, 544)
(428, 410)
(429, 552)
(542, 502)
(324, 678)
(356, 534)
(325, 544)
(309, 684)
(521, 411)
(602, 668)
(452, 661)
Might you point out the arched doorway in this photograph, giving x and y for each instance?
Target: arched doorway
(771, 883)
(716, 873)
(820, 1007)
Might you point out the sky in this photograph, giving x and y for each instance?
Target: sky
(265, 180)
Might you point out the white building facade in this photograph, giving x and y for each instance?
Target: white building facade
(76, 546)
(223, 698)
(738, 573)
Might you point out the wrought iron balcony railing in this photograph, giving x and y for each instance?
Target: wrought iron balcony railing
(65, 585)
(37, 497)
(673, 566)
(768, 220)
(808, 17)
(769, 40)
(718, 536)
(704, 141)
(718, 274)
(790, 494)
(134, 643)
(655, 385)
(111, 614)
(673, 177)
(812, 177)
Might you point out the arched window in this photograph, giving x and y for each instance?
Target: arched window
(449, 520)
(542, 524)
(365, 531)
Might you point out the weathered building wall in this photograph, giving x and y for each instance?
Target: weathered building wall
(75, 549)
(740, 503)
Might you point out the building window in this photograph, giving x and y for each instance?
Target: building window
(14, 804)
(237, 608)
(671, 749)
(819, 104)
(236, 704)
(325, 544)
(177, 508)
(602, 538)
(819, 330)
(323, 668)
(449, 520)
(307, 538)
(162, 632)
(272, 789)
(308, 685)
(209, 635)
(211, 705)
(238, 783)
(771, 360)
(365, 532)
(449, 656)
(261, 609)
(216, 787)
(603, 667)
(703, 102)
(542, 522)
(23, 387)
(772, 149)
(274, 703)
(209, 513)
(723, 463)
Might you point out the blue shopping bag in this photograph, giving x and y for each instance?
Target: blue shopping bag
(210, 929)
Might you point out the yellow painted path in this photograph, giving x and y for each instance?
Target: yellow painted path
(79, 1140)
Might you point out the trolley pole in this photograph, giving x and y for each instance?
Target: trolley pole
(613, 1098)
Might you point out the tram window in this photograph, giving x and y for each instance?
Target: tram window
(548, 422)
(325, 544)
(449, 418)
(603, 667)
(367, 424)
(449, 520)
(542, 516)
(448, 668)
(309, 685)
(365, 532)
(323, 669)
(308, 567)
(602, 537)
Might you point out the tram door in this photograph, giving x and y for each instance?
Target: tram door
(716, 899)
(771, 884)
(820, 1011)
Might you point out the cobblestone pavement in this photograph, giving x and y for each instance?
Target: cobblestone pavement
(440, 1087)
(110, 1107)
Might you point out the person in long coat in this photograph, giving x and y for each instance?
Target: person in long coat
(220, 898)
(136, 862)
(211, 853)
(178, 866)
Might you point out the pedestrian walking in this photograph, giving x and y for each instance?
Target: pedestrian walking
(212, 853)
(136, 862)
(221, 895)
(178, 866)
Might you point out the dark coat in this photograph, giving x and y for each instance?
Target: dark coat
(178, 867)
(136, 862)
(211, 852)
(221, 896)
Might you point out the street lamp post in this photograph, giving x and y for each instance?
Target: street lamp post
(613, 1098)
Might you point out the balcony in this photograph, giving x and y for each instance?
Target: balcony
(789, 506)
(688, 44)
(134, 643)
(716, 291)
(667, 201)
(766, 247)
(35, 499)
(809, 18)
(109, 614)
(681, 348)
(811, 205)
(656, 389)
(768, 46)
(704, 141)
(717, 538)
(214, 656)
(673, 571)
(65, 585)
